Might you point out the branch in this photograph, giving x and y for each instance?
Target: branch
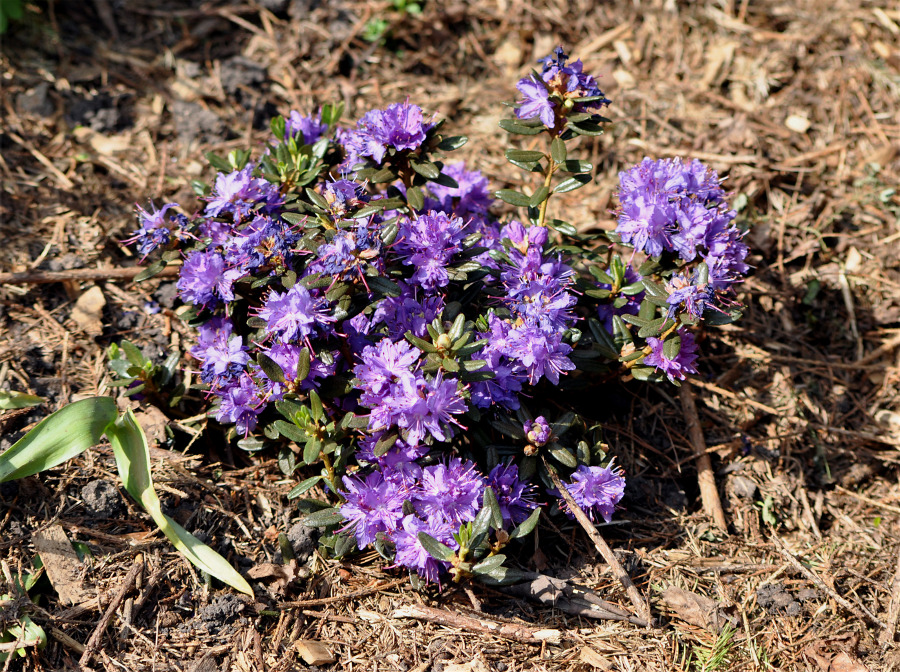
(82, 274)
(709, 494)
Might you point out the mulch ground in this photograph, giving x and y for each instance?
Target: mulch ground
(107, 104)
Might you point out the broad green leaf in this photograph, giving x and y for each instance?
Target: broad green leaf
(527, 526)
(303, 486)
(488, 565)
(513, 197)
(59, 437)
(558, 150)
(133, 461)
(571, 183)
(324, 518)
(10, 400)
(490, 502)
(435, 548)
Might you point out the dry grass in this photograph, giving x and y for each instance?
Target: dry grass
(800, 401)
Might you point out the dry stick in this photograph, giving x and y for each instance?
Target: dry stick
(859, 611)
(709, 494)
(82, 274)
(642, 607)
(512, 631)
(97, 635)
(893, 616)
(323, 601)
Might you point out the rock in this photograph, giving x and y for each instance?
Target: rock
(36, 101)
(241, 76)
(102, 499)
(101, 113)
(776, 600)
(223, 610)
(303, 540)
(195, 122)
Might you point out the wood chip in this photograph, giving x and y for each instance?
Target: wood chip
(594, 659)
(313, 652)
(62, 564)
(88, 311)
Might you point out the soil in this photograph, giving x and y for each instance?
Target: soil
(110, 104)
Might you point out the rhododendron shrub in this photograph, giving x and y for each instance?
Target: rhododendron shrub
(376, 313)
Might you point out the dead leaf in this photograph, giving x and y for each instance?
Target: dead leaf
(695, 609)
(594, 659)
(314, 653)
(844, 662)
(281, 575)
(62, 564)
(88, 311)
(476, 665)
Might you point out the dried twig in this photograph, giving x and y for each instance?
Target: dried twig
(321, 602)
(600, 544)
(127, 584)
(859, 611)
(513, 631)
(889, 631)
(709, 494)
(82, 274)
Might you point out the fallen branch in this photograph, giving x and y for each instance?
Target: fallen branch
(323, 601)
(512, 631)
(600, 544)
(893, 616)
(859, 611)
(82, 274)
(127, 584)
(709, 494)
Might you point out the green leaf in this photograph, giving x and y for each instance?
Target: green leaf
(311, 450)
(270, 367)
(10, 399)
(490, 502)
(290, 431)
(527, 525)
(586, 128)
(452, 142)
(435, 548)
(415, 198)
(524, 155)
(672, 346)
(59, 437)
(563, 455)
(575, 166)
(218, 162)
(303, 486)
(385, 444)
(151, 270)
(513, 197)
(324, 518)
(426, 169)
(133, 461)
(502, 576)
(517, 127)
(571, 184)
(558, 150)
(488, 565)
(539, 196)
(383, 285)
(315, 404)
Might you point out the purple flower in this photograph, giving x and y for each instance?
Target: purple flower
(450, 491)
(407, 312)
(154, 230)
(293, 315)
(514, 497)
(536, 102)
(596, 490)
(411, 553)
(558, 91)
(222, 355)
(238, 192)
(470, 197)
(306, 130)
(204, 279)
(399, 127)
(428, 242)
(374, 505)
(690, 294)
(537, 431)
(540, 353)
(383, 365)
(681, 364)
(239, 402)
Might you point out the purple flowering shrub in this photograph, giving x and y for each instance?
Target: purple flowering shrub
(361, 307)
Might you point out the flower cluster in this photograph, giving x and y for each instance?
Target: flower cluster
(679, 207)
(359, 304)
